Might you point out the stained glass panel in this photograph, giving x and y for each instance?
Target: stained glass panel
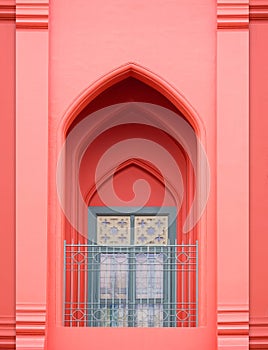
(113, 230)
(151, 230)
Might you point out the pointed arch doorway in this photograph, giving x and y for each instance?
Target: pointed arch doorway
(163, 193)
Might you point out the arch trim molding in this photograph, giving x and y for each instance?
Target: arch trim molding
(146, 76)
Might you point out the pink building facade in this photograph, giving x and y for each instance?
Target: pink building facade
(203, 62)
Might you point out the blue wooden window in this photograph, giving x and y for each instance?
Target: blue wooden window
(132, 280)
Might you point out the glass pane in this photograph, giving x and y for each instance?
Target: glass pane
(113, 276)
(149, 275)
(113, 230)
(151, 230)
(149, 315)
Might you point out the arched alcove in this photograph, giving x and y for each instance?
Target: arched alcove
(97, 116)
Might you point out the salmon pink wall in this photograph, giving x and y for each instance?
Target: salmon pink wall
(196, 53)
(89, 40)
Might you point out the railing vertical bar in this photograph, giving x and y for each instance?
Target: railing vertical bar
(169, 301)
(156, 292)
(106, 281)
(162, 278)
(148, 277)
(78, 282)
(138, 305)
(64, 281)
(138, 302)
(157, 272)
(173, 253)
(182, 284)
(189, 284)
(85, 283)
(141, 301)
(127, 281)
(93, 264)
(99, 286)
(175, 282)
(71, 284)
(196, 287)
(113, 286)
(155, 282)
(135, 278)
(134, 296)
(173, 291)
(120, 288)
(131, 273)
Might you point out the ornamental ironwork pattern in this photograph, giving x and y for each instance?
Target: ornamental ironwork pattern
(131, 286)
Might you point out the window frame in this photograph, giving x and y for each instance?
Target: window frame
(93, 213)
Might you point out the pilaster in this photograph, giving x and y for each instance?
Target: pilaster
(233, 173)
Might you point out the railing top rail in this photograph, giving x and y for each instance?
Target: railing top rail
(129, 246)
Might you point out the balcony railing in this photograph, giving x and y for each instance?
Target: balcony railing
(131, 286)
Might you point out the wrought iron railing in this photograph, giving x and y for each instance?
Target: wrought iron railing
(131, 286)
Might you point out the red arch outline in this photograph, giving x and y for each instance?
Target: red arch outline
(140, 164)
(146, 76)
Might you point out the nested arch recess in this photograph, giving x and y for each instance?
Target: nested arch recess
(127, 88)
(132, 82)
(134, 129)
(146, 114)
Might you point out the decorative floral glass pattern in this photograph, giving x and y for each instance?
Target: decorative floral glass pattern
(151, 230)
(113, 230)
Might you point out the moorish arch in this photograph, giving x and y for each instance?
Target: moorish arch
(107, 91)
(90, 122)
